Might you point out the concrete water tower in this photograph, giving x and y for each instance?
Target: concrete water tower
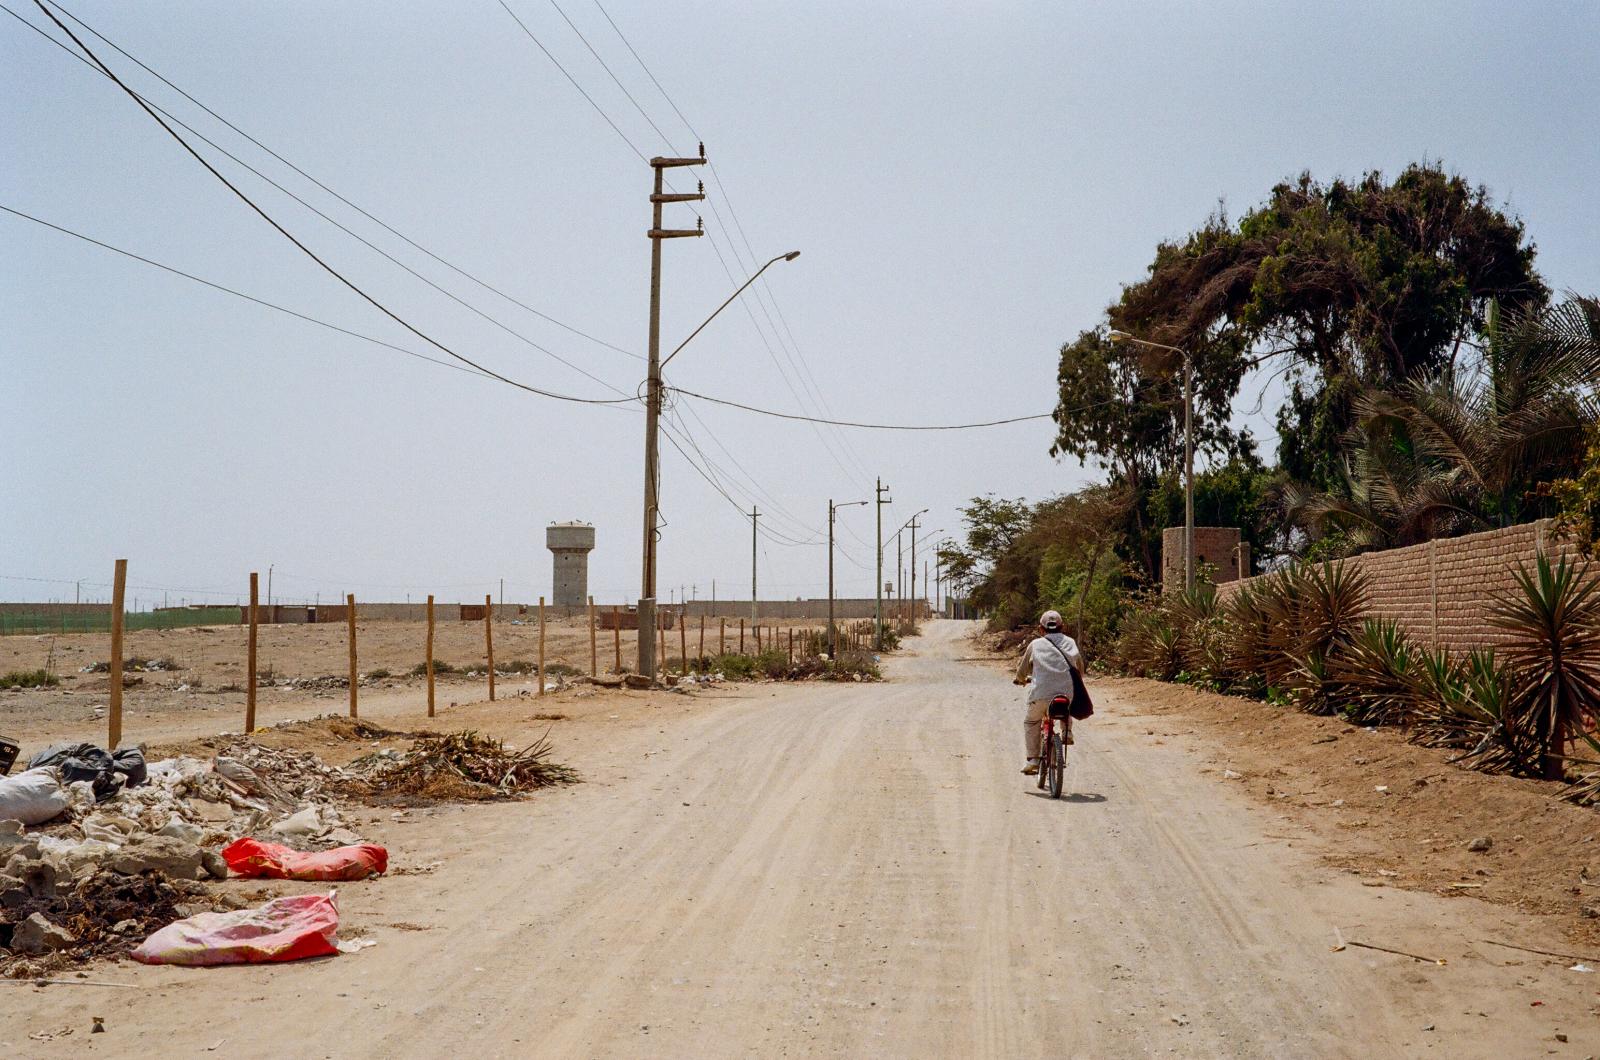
(571, 543)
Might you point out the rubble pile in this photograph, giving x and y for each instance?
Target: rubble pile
(61, 903)
(458, 766)
(103, 867)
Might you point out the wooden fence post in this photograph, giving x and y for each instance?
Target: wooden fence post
(702, 636)
(594, 656)
(722, 636)
(661, 637)
(541, 646)
(250, 658)
(488, 639)
(350, 618)
(616, 638)
(791, 647)
(741, 636)
(683, 642)
(119, 583)
(430, 655)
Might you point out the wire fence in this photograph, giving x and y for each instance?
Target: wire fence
(99, 620)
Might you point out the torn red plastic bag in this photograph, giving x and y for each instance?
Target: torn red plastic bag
(253, 858)
(285, 929)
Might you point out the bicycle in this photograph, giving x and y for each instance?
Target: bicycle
(1055, 728)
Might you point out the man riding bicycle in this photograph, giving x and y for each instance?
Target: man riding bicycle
(1049, 659)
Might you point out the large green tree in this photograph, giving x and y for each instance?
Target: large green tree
(1343, 286)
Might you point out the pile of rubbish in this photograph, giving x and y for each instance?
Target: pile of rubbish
(101, 851)
(459, 766)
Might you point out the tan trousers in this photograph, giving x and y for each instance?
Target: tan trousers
(1037, 708)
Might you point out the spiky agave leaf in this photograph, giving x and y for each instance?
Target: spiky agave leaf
(1377, 670)
(1553, 622)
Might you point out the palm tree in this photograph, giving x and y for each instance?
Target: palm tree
(1452, 452)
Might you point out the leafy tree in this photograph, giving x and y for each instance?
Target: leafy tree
(1351, 284)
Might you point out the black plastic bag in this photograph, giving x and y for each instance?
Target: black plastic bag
(106, 773)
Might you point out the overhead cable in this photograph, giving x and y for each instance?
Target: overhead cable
(307, 251)
(866, 426)
(291, 312)
(307, 176)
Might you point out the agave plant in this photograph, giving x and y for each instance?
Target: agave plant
(1327, 599)
(1553, 623)
(1379, 670)
(1246, 632)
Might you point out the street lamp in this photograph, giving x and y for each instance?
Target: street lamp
(1188, 446)
(833, 637)
(652, 464)
(757, 275)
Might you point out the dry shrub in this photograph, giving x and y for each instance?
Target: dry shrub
(462, 766)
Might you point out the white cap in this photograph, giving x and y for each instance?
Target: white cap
(1050, 620)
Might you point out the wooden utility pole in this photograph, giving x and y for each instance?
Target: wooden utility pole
(652, 440)
(350, 621)
(119, 585)
(594, 651)
(541, 646)
(488, 641)
(755, 610)
(911, 574)
(877, 588)
(250, 658)
(430, 655)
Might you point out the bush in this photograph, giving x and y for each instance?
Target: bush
(29, 679)
(439, 667)
(774, 665)
(380, 673)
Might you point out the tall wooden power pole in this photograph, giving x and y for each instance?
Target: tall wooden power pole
(652, 440)
(754, 607)
(877, 589)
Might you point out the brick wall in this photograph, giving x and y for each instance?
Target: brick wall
(1441, 591)
(1216, 545)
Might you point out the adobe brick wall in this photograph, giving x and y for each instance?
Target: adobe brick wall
(1441, 591)
(1216, 545)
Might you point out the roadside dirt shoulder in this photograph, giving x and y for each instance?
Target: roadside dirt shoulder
(1394, 813)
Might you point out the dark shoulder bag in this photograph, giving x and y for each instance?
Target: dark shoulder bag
(1082, 706)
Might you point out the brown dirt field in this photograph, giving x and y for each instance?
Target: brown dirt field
(210, 659)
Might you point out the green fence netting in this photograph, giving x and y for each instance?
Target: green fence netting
(12, 622)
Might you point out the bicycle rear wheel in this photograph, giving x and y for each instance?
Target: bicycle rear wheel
(1058, 763)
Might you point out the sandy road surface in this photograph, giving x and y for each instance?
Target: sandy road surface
(854, 871)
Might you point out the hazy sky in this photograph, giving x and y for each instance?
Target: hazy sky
(968, 183)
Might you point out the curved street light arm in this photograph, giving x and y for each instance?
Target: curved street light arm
(781, 257)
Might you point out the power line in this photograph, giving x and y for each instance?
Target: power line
(281, 309)
(347, 231)
(363, 212)
(797, 360)
(597, 108)
(308, 252)
(614, 79)
(767, 532)
(875, 426)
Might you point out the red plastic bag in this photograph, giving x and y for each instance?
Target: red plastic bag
(285, 929)
(255, 859)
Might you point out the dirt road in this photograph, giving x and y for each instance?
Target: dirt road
(856, 871)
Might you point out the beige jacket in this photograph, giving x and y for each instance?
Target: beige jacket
(1046, 660)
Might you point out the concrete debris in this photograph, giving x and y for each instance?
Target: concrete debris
(36, 935)
(172, 858)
